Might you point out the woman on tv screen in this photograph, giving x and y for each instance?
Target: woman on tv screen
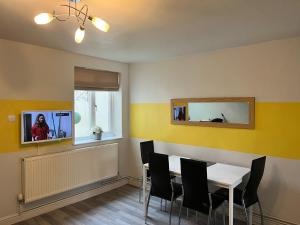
(40, 129)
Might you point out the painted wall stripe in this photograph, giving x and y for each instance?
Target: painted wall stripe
(276, 130)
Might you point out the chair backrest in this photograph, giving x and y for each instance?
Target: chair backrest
(194, 181)
(256, 174)
(147, 147)
(160, 176)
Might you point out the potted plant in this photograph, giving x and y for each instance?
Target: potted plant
(97, 132)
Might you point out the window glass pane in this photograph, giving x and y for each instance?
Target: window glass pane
(83, 113)
(92, 108)
(103, 110)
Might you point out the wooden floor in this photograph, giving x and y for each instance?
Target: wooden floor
(117, 207)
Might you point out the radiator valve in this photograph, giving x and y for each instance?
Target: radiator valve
(20, 197)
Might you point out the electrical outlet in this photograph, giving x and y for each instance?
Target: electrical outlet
(11, 118)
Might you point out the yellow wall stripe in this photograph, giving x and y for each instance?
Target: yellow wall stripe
(10, 139)
(276, 130)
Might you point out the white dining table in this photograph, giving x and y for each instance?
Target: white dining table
(219, 174)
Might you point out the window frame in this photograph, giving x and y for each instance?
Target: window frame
(108, 135)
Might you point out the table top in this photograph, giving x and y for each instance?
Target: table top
(220, 174)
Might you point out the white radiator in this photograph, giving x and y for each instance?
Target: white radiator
(51, 174)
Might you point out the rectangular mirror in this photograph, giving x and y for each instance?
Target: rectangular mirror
(215, 112)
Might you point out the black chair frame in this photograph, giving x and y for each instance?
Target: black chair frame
(249, 194)
(164, 180)
(198, 166)
(146, 148)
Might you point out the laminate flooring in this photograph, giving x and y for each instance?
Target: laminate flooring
(119, 207)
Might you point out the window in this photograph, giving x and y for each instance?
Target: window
(96, 104)
(93, 108)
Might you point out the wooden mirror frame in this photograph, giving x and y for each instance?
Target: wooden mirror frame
(185, 101)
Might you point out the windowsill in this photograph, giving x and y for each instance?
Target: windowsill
(91, 140)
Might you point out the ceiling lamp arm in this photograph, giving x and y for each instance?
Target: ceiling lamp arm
(70, 7)
(80, 14)
(83, 11)
(61, 17)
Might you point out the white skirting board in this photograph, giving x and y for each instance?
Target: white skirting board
(15, 218)
(267, 219)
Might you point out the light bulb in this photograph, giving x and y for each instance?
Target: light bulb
(79, 35)
(43, 18)
(99, 23)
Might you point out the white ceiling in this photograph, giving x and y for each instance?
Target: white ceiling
(150, 30)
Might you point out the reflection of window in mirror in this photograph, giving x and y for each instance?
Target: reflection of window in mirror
(219, 112)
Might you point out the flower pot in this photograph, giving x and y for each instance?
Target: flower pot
(98, 136)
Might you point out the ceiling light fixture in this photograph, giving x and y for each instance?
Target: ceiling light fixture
(81, 14)
(79, 35)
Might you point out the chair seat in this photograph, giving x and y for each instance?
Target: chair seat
(177, 188)
(217, 200)
(237, 196)
(148, 175)
(223, 192)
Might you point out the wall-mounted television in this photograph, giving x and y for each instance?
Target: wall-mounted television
(43, 126)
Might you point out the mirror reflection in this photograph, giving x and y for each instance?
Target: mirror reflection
(179, 113)
(229, 112)
(219, 112)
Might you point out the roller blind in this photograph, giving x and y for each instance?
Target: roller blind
(89, 79)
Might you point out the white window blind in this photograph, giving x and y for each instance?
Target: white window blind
(96, 80)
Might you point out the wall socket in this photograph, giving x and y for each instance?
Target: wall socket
(11, 118)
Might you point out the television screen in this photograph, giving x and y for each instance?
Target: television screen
(42, 126)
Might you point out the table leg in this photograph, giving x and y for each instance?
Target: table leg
(144, 188)
(230, 211)
(250, 215)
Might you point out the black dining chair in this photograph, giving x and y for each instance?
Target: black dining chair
(196, 195)
(248, 196)
(161, 183)
(147, 147)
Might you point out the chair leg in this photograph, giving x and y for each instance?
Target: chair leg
(170, 217)
(140, 193)
(179, 217)
(223, 209)
(215, 215)
(246, 213)
(261, 213)
(209, 216)
(165, 205)
(141, 189)
(147, 206)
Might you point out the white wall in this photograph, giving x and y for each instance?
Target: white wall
(268, 71)
(29, 72)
